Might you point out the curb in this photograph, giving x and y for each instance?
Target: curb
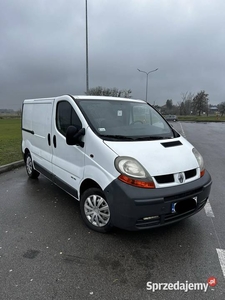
(11, 166)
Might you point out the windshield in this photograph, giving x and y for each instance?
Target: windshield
(125, 120)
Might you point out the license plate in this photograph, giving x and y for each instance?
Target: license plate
(173, 205)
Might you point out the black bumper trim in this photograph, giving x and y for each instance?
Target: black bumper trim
(135, 208)
(139, 202)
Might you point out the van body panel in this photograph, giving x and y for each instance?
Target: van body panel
(36, 130)
(99, 160)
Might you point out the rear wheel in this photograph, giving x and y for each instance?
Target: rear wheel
(95, 210)
(31, 172)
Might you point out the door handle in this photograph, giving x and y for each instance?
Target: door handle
(49, 139)
(54, 141)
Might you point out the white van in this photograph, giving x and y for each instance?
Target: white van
(119, 157)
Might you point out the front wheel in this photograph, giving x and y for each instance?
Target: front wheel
(31, 172)
(95, 210)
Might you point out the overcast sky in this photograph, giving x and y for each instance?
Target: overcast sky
(42, 48)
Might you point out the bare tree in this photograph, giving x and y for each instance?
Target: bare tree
(114, 92)
(187, 99)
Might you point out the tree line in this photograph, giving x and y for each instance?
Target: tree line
(113, 92)
(189, 103)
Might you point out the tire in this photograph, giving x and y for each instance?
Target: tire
(29, 167)
(95, 210)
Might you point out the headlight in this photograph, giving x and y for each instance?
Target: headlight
(199, 160)
(133, 173)
(129, 166)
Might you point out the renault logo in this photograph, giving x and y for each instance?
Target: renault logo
(181, 177)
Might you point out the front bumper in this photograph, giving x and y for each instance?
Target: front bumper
(135, 208)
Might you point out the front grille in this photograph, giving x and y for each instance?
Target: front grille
(165, 178)
(169, 178)
(190, 173)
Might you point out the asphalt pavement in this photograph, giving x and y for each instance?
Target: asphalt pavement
(47, 252)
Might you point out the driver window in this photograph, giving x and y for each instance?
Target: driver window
(65, 117)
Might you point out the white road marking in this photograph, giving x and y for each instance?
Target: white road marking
(208, 210)
(221, 255)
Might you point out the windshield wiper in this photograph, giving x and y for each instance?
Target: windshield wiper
(117, 137)
(151, 137)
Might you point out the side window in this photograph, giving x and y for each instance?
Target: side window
(156, 120)
(66, 116)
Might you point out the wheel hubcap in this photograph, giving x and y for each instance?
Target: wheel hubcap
(29, 165)
(96, 210)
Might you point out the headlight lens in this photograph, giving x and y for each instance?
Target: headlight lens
(129, 166)
(133, 173)
(199, 160)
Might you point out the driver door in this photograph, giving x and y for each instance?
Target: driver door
(68, 161)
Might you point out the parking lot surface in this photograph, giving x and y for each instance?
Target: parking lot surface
(46, 251)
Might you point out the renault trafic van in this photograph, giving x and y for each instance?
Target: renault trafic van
(119, 157)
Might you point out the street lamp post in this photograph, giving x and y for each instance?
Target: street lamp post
(147, 81)
(87, 80)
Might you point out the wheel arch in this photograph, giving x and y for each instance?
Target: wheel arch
(87, 184)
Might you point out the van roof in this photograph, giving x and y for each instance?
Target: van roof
(39, 99)
(88, 97)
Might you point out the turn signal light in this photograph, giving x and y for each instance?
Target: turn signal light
(136, 182)
(202, 173)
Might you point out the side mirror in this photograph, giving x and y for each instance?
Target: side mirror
(73, 136)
